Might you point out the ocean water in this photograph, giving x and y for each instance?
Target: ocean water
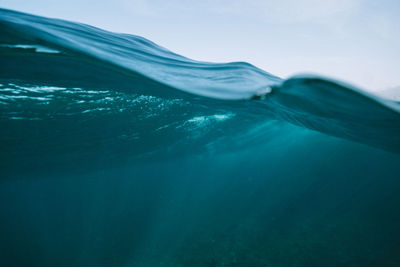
(118, 152)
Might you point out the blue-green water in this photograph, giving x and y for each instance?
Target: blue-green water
(117, 152)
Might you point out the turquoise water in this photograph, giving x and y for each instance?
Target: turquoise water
(118, 152)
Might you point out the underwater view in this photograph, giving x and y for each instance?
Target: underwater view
(118, 152)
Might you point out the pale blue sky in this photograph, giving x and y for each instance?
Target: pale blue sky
(354, 40)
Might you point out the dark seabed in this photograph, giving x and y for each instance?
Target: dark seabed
(118, 152)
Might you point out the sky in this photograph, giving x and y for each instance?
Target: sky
(357, 41)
